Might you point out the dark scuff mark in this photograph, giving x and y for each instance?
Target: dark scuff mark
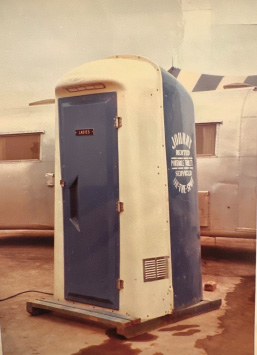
(187, 333)
(178, 328)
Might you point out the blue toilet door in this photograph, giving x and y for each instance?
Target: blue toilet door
(89, 167)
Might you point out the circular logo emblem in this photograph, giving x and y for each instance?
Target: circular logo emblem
(182, 163)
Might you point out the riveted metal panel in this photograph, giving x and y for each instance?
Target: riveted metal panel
(89, 165)
(203, 200)
(32, 205)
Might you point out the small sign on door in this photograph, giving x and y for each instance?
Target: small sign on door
(85, 132)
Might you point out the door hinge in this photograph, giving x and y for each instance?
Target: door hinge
(62, 183)
(117, 122)
(120, 284)
(120, 206)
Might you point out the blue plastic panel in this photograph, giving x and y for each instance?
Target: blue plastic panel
(89, 166)
(183, 194)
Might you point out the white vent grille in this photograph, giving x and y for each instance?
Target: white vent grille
(155, 268)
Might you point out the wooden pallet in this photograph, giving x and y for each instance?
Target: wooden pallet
(127, 326)
(83, 312)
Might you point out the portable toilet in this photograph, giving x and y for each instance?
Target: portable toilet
(127, 241)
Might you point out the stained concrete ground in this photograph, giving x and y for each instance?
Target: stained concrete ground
(27, 264)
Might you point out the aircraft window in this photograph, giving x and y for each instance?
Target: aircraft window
(20, 146)
(205, 138)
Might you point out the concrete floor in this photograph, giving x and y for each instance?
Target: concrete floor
(27, 264)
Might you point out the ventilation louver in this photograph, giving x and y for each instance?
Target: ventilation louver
(155, 268)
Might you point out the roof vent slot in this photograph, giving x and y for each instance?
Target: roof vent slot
(85, 87)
